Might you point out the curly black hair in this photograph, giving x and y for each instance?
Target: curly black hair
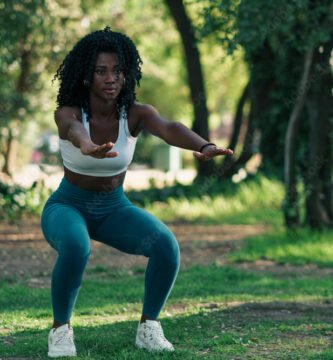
(79, 64)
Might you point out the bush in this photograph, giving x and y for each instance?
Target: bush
(16, 200)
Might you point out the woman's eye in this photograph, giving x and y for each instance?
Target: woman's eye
(100, 72)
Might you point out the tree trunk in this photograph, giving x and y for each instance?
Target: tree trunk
(10, 152)
(326, 105)
(314, 209)
(22, 83)
(227, 167)
(290, 208)
(318, 179)
(326, 178)
(22, 87)
(248, 145)
(195, 77)
(263, 86)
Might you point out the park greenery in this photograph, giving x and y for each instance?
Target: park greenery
(287, 46)
(266, 63)
(266, 66)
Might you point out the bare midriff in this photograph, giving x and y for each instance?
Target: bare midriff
(95, 183)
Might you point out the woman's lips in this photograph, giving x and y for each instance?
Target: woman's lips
(110, 91)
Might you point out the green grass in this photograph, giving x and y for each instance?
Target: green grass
(294, 247)
(251, 202)
(213, 312)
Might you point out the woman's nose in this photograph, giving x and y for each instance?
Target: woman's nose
(112, 77)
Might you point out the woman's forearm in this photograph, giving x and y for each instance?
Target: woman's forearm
(77, 134)
(181, 136)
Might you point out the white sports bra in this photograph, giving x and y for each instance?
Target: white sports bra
(75, 161)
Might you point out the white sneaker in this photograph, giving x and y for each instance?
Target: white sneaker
(61, 342)
(150, 336)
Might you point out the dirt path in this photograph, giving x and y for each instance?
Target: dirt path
(25, 255)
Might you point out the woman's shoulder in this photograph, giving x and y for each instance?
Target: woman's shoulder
(67, 111)
(140, 110)
(137, 114)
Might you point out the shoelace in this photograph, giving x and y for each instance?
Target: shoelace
(160, 333)
(65, 336)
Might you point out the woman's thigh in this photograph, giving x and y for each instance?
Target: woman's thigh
(135, 231)
(65, 228)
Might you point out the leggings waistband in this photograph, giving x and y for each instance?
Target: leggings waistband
(89, 202)
(67, 188)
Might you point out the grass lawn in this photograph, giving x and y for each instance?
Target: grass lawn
(213, 312)
(238, 310)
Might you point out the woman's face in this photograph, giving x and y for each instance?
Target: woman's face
(108, 78)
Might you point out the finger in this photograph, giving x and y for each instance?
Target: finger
(112, 154)
(105, 155)
(107, 145)
(224, 151)
(199, 155)
(104, 148)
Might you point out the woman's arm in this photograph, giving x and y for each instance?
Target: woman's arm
(177, 134)
(71, 128)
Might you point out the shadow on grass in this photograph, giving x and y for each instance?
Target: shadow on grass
(271, 330)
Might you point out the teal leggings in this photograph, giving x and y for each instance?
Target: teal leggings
(72, 216)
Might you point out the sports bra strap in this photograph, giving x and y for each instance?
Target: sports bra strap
(84, 119)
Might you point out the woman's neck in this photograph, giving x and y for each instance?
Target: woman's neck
(100, 109)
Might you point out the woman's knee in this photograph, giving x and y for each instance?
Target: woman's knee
(166, 246)
(75, 242)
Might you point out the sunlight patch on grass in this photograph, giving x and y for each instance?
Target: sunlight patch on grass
(253, 202)
(301, 247)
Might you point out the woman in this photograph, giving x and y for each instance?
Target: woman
(98, 122)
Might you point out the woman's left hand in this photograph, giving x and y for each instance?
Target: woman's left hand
(211, 151)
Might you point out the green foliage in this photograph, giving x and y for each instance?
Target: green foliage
(23, 17)
(219, 18)
(19, 55)
(16, 201)
(278, 37)
(284, 24)
(34, 36)
(274, 36)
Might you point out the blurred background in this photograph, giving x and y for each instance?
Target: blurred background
(255, 76)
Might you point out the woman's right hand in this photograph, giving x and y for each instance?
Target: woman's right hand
(98, 151)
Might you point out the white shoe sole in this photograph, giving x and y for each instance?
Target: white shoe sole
(141, 345)
(55, 354)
